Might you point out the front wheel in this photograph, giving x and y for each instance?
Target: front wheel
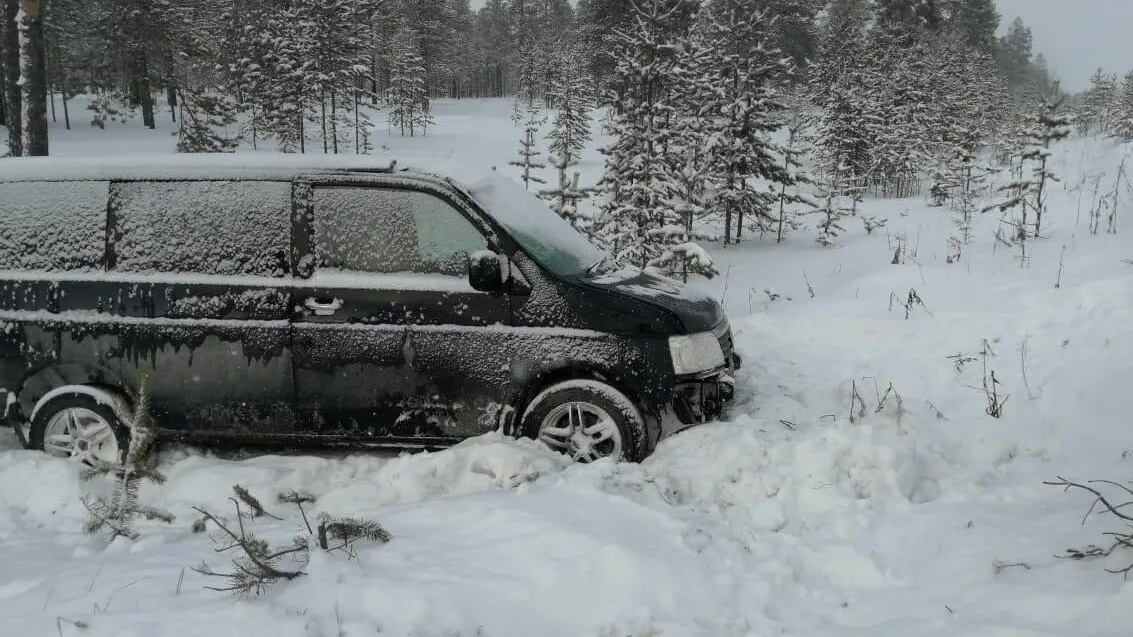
(587, 420)
(80, 427)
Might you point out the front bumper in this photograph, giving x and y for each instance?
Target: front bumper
(701, 398)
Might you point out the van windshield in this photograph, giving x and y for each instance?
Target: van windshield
(548, 238)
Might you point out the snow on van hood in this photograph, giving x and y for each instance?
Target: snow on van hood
(697, 310)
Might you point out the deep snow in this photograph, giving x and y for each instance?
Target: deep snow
(788, 519)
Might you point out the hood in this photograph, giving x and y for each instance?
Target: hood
(695, 309)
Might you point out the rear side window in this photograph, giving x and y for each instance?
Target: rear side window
(386, 231)
(203, 227)
(53, 226)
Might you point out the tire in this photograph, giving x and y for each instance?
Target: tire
(612, 425)
(104, 438)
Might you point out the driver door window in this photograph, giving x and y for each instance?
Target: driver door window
(386, 231)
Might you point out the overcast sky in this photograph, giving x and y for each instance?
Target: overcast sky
(1077, 36)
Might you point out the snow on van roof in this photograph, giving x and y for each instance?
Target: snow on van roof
(247, 165)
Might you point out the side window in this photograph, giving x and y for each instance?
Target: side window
(386, 231)
(203, 227)
(53, 226)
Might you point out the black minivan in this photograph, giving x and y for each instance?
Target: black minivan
(283, 301)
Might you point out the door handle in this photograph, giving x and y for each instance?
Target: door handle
(322, 308)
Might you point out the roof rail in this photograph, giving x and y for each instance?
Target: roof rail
(373, 169)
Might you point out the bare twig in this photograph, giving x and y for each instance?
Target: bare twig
(809, 288)
(297, 498)
(1120, 540)
(856, 400)
(1001, 566)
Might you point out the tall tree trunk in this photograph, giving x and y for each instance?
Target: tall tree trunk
(33, 69)
(140, 85)
(11, 48)
(334, 121)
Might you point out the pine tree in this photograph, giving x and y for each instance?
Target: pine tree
(831, 212)
(1028, 192)
(203, 123)
(845, 87)
(976, 21)
(564, 197)
(741, 110)
(572, 99)
(528, 152)
(1123, 124)
(1053, 126)
(117, 514)
(1096, 112)
(798, 123)
(969, 180)
(638, 221)
(408, 99)
(569, 135)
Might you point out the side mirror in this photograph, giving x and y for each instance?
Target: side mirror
(485, 274)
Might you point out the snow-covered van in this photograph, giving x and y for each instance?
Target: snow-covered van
(281, 301)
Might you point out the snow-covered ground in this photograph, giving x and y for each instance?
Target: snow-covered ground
(789, 519)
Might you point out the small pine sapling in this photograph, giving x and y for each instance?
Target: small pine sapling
(873, 222)
(117, 514)
(564, 198)
(799, 121)
(831, 212)
(259, 564)
(528, 153)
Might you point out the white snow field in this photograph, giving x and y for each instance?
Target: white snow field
(927, 518)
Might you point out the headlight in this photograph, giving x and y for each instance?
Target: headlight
(695, 353)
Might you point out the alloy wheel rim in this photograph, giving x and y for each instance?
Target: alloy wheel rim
(81, 434)
(583, 431)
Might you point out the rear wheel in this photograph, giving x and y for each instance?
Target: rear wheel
(587, 420)
(79, 427)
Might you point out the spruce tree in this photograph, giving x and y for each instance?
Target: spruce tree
(528, 162)
(741, 110)
(1123, 120)
(1096, 111)
(845, 88)
(1028, 191)
(407, 97)
(638, 221)
(571, 91)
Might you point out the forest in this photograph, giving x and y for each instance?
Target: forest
(716, 108)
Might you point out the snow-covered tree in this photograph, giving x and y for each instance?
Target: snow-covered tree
(1096, 110)
(741, 110)
(203, 122)
(1029, 192)
(566, 194)
(1123, 113)
(831, 210)
(529, 153)
(969, 185)
(407, 97)
(638, 221)
(572, 97)
(844, 86)
(798, 122)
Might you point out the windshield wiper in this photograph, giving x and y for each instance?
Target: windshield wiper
(595, 267)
